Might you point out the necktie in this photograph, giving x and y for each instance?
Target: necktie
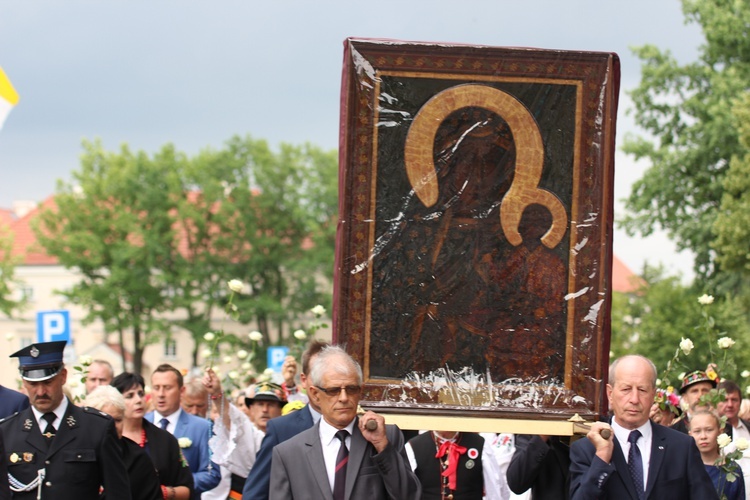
(49, 431)
(339, 478)
(635, 463)
(164, 423)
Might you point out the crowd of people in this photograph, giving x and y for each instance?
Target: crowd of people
(308, 438)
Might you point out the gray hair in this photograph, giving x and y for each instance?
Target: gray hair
(103, 396)
(195, 387)
(615, 363)
(334, 358)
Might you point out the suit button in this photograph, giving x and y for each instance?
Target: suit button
(48, 484)
(46, 462)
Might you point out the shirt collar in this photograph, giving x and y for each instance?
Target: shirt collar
(59, 413)
(173, 418)
(622, 433)
(328, 432)
(315, 414)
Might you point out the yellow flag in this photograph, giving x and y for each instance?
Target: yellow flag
(8, 97)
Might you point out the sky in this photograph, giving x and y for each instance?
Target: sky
(195, 73)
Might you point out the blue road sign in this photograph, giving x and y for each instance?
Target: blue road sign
(276, 355)
(52, 326)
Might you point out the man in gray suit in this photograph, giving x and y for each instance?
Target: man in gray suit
(340, 458)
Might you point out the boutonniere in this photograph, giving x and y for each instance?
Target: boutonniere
(184, 442)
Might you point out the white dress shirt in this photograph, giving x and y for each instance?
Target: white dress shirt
(59, 413)
(644, 444)
(173, 418)
(331, 445)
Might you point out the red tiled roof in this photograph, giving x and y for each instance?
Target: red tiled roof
(623, 279)
(25, 245)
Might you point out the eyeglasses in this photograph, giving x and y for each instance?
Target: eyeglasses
(351, 390)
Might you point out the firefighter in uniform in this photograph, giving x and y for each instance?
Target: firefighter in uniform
(55, 450)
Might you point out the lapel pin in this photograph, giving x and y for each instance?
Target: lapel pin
(28, 457)
(70, 421)
(27, 424)
(13, 458)
(661, 447)
(470, 464)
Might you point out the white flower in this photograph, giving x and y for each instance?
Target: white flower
(268, 372)
(741, 444)
(747, 390)
(207, 353)
(300, 335)
(725, 342)
(246, 366)
(255, 336)
(10, 336)
(681, 375)
(627, 319)
(686, 345)
(85, 360)
(233, 374)
(318, 310)
(235, 285)
(241, 354)
(73, 384)
(723, 440)
(184, 442)
(745, 374)
(227, 359)
(706, 299)
(658, 382)
(208, 337)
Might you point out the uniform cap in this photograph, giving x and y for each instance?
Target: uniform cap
(41, 361)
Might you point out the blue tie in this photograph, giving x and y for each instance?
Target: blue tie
(164, 423)
(635, 463)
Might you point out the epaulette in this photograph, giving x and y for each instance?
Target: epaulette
(94, 411)
(8, 417)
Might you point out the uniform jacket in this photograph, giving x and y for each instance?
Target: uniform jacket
(278, 430)
(11, 402)
(298, 470)
(676, 471)
(84, 455)
(541, 466)
(206, 474)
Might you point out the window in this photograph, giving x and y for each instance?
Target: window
(170, 348)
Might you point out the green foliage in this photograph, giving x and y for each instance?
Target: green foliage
(157, 238)
(653, 322)
(688, 112)
(8, 281)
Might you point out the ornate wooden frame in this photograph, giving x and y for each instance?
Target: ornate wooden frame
(557, 114)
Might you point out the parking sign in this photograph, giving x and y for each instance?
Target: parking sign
(52, 326)
(276, 355)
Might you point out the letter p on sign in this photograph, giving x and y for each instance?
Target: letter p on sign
(52, 326)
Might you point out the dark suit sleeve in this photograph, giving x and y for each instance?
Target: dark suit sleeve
(257, 483)
(526, 462)
(4, 486)
(111, 467)
(393, 465)
(588, 473)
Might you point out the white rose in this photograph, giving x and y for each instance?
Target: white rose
(10, 336)
(686, 345)
(233, 374)
(208, 337)
(235, 285)
(184, 442)
(723, 440)
(725, 342)
(741, 444)
(268, 372)
(318, 310)
(241, 354)
(246, 366)
(85, 360)
(227, 359)
(706, 299)
(207, 353)
(300, 334)
(255, 336)
(745, 374)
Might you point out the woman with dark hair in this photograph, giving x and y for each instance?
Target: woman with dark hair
(174, 475)
(140, 468)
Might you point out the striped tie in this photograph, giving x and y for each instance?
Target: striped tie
(339, 478)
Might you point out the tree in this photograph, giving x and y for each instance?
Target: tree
(157, 238)
(8, 282)
(688, 111)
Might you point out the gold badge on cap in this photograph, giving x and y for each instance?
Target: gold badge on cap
(13, 458)
(34, 352)
(28, 457)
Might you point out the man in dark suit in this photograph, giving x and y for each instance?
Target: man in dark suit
(191, 432)
(280, 429)
(640, 460)
(54, 449)
(11, 402)
(539, 463)
(342, 457)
